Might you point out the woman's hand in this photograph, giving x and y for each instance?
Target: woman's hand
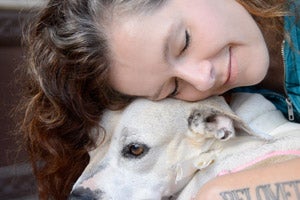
(277, 182)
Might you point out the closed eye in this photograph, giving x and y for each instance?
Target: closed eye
(175, 91)
(187, 41)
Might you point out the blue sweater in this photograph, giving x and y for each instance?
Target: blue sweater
(288, 103)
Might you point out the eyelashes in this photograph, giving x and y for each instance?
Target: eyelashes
(185, 47)
(187, 41)
(175, 91)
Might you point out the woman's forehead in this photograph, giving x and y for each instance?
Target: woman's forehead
(137, 50)
(136, 37)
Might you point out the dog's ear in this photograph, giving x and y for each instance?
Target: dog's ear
(209, 123)
(244, 129)
(219, 106)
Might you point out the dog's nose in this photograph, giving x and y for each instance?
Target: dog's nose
(85, 194)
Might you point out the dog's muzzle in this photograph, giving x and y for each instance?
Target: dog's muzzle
(85, 194)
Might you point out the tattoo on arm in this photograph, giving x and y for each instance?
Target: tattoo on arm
(289, 190)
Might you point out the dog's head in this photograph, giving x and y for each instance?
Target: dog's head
(150, 150)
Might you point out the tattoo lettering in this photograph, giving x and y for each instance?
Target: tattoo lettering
(241, 194)
(289, 190)
(284, 191)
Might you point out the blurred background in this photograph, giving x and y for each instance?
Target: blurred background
(16, 180)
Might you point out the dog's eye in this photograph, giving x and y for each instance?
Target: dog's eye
(135, 150)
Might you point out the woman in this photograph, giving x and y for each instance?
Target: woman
(86, 56)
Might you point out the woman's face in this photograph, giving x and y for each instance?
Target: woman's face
(187, 49)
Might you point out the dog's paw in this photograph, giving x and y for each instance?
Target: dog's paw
(205, 159)
(211, 124)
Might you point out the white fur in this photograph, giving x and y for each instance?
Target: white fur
(179, 161)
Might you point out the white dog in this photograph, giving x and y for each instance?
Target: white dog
(169, 149)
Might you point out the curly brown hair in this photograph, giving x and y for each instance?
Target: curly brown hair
(65, 82)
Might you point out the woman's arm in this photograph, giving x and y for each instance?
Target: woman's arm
(277, 182)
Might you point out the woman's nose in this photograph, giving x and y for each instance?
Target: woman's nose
(201, 75)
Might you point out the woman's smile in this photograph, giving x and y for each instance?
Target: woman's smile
(212, 47)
